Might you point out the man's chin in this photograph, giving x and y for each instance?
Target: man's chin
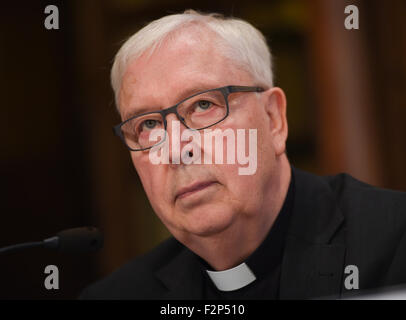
(208, 221)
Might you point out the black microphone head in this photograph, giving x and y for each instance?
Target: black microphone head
(80, 239)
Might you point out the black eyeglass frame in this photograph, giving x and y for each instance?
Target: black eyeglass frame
(226, 91)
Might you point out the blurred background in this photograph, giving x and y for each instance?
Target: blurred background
(61, 166)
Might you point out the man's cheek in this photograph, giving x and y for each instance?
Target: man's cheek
(158, 192)
(141, 159)
(148, 184)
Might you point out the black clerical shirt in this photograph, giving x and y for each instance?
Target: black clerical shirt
(265, 262)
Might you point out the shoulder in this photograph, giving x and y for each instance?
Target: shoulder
(136, 279)
(375, 227)
(375, 219)
(354, 196)
(367, 211)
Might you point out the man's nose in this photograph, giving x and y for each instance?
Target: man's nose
(174, 132)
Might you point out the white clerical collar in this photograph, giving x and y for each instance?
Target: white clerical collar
(232, 279)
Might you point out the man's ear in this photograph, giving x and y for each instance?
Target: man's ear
(275, 108)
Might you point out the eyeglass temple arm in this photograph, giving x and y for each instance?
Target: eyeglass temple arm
(116, 130)
(245, 89)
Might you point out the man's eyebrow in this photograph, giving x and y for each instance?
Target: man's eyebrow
(182, 95)
(135, 112)
(193, 90)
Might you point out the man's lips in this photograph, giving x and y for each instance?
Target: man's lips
(195, 187)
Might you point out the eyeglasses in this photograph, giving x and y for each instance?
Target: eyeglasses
(199, 111)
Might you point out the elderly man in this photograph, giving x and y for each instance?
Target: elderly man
(188, 84)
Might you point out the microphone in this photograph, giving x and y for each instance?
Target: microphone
(82, 239)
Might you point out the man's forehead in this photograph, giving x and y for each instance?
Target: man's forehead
(177, 69)
(169, 65)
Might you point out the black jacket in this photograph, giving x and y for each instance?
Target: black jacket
(336, 221)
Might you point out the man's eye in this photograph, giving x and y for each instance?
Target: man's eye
(149, 124)
(202, 105)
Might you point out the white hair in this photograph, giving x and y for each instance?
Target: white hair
(242, 43)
